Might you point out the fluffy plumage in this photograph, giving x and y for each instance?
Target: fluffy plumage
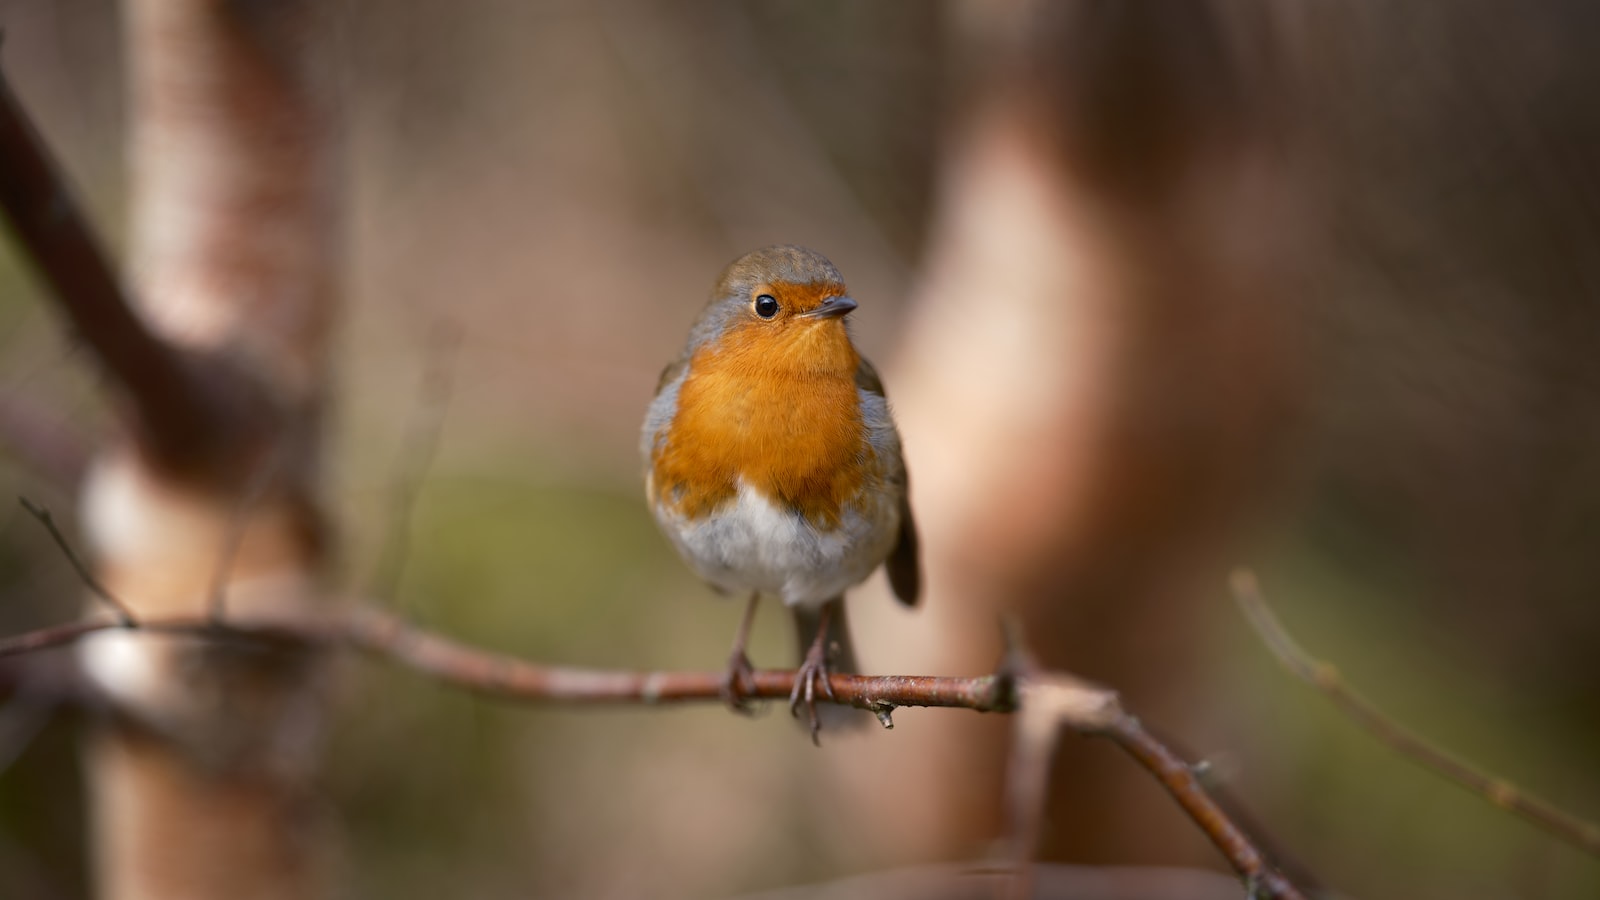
(774, 464)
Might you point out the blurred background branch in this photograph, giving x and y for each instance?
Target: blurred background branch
(176, 409)
(1326, 679)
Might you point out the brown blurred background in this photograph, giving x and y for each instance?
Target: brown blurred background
(1156, 288)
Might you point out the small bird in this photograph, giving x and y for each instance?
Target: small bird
(773, 463)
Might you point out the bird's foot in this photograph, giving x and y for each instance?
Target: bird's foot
(736, 684)
(812, 672)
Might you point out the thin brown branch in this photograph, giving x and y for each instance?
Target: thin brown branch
(125, 615)
(1062, 700)
(249, 496)
(1051, 701)
(385, 636)
(1035, 737)
(1327, 680)
(170, 404)
(1179, 778)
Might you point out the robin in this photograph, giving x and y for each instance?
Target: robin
(774, 465)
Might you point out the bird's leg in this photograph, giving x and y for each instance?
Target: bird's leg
(814, 670)
(739, 669)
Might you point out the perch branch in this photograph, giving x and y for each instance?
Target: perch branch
(375, 632)
(385, 636)
(1325, 678)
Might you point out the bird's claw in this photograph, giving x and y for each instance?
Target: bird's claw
(813, 671)
(735, 684)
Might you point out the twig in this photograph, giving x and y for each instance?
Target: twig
(249, 496)
(1035, 737)
(1178, 777)
(1326, 679)
(1051, 701)
(125, 616)
(171, 405)
(416, 456)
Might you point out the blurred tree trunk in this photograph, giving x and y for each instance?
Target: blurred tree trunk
(202, 779)
(1099, 366)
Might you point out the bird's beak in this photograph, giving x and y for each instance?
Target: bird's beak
(831, 308)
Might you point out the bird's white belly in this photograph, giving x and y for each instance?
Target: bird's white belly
(752, 544)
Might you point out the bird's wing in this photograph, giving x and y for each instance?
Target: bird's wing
(903, 565)
(671, 372)
(867, 378)
(662, 408)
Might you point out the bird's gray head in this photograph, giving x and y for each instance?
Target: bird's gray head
(777, 284)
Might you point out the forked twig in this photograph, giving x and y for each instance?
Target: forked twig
(1051, 701)
(1326, 679)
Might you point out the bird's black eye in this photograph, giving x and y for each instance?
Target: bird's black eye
(766, 306)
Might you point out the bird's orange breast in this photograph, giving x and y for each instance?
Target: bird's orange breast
(775, 411)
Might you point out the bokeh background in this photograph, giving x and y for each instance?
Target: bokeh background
(1396, 420)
